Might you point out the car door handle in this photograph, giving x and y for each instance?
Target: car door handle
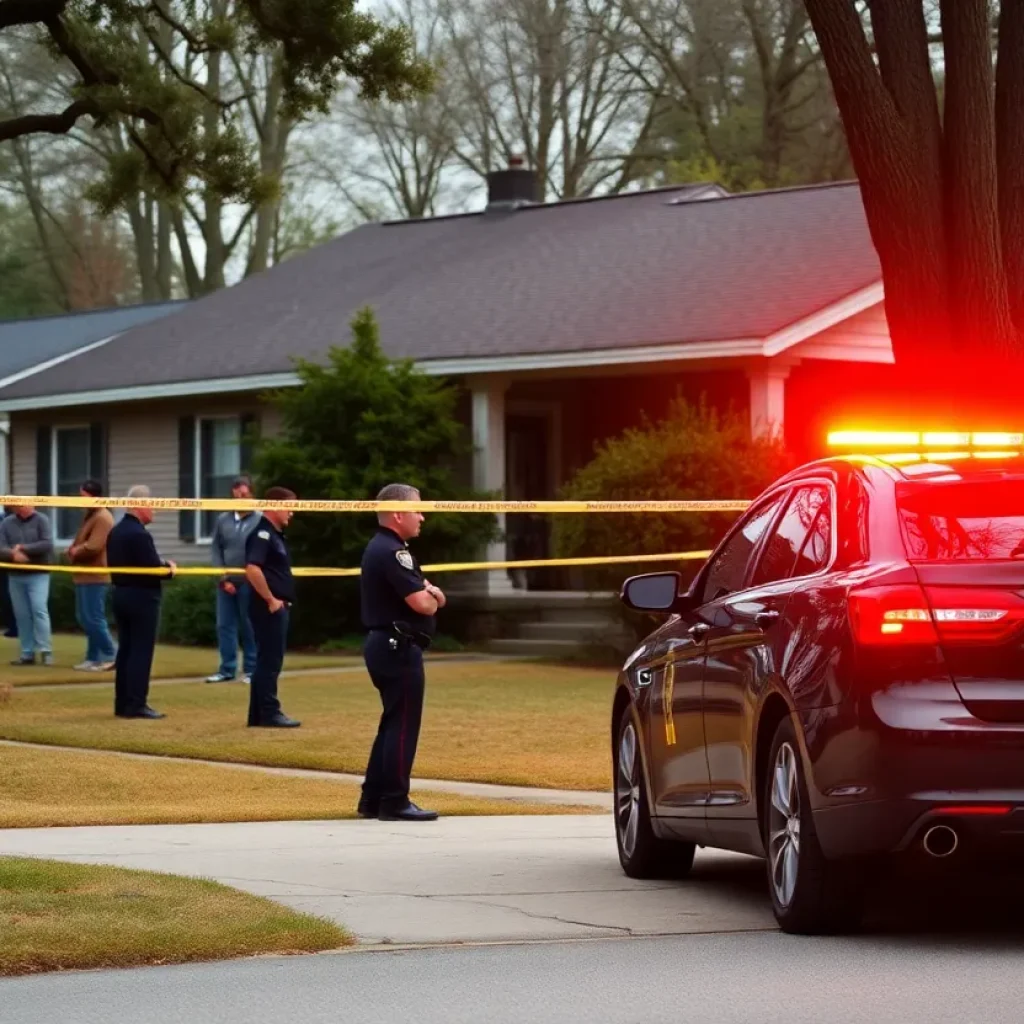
(764, 620)
(699, 631)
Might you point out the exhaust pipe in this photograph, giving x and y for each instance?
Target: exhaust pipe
(940, 841)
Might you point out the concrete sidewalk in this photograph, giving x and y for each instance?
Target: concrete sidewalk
(455, 880)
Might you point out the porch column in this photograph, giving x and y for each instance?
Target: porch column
(768, 400)
(489, 465)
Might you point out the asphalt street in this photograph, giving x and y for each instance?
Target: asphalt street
(752, 978)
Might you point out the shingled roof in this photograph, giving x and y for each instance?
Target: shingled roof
(31, 342)
(630, 271)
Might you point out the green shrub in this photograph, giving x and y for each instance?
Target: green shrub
(359, 422)
(694, 453)
(62, 603)
(188, 612)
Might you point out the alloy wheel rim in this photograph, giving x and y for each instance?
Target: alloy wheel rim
(627, 790)
(784, 826)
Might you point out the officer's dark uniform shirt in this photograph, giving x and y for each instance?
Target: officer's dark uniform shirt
(129, 544)
(389, 575)
(266, 548)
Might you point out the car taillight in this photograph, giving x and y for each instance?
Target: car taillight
(909, 614)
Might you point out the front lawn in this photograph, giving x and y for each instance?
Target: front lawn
(171, 662)
(56, 916)
(506, 722)
(111, 789)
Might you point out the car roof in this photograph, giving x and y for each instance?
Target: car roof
(924, 469)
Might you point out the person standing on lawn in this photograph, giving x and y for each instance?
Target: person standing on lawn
(6, 608)
(26, 538)
(398, 609)
(136, 606)
(268, 569)
(89, 550)
(227, 550)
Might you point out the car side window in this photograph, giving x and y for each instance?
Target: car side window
(783, 555)
(817, 550)
(729, 568)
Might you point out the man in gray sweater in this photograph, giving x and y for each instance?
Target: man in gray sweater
(227, 549)
(27, 539)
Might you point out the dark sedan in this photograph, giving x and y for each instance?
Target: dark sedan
(843, 681)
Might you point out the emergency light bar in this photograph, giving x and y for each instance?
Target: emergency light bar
(903, 446)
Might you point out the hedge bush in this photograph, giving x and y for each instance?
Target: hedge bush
(696, 452)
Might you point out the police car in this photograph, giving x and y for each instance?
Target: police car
(843, 680)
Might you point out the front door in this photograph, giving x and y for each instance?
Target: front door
(679, 769)
(528, 474)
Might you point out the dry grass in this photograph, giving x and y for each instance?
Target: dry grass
(514, 723)
(56, 916)
(170, 663)
(110, 789)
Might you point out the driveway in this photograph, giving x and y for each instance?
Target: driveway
(456, 880)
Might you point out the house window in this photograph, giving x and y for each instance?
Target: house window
(67, 457)
(218, 463)
(70, 470)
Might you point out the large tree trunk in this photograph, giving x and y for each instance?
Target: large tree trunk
(931, 186)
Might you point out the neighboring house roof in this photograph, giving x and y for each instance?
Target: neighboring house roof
(33, 345)
(624, 278)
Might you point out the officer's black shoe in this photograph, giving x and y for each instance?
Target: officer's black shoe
(146, 712)
(281, 721)
(368, 809)
(410, 812)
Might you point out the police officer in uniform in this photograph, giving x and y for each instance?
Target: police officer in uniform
(269, 572)
(398, 610)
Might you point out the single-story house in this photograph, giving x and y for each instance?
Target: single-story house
(562, 321)
(33, 345)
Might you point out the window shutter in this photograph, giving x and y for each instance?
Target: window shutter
(247, 438)
(187, 476)
(98, 454)
(44, 466)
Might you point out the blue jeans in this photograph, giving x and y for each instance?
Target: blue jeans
(232, 618)
(30, 597)
(91, 613)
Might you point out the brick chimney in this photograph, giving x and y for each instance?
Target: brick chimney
(516, 186)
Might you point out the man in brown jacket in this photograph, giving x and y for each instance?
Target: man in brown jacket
(90, 549)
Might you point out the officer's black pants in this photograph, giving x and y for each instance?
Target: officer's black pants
(137, 614)
(398, 677)
(271, 635)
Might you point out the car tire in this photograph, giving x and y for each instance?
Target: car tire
(641, 853)
(810, 894)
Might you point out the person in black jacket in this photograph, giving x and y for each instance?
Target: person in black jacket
(136, 607)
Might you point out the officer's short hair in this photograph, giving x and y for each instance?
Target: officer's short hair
(395, 492)
(138, 491)
(279, 494)
(398, 492)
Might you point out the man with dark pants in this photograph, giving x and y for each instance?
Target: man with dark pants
(398, 609)
(136, 607)
(227, 550)
(269, 572)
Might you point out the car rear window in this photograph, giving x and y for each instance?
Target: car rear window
(963, 519)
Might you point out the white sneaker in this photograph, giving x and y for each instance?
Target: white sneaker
(85, 666)
(247, 680)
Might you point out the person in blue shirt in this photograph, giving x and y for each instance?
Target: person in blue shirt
(398, 610)
(227, 550)
(136, 606)
(268, 570)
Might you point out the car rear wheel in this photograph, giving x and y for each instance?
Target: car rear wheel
(810, 894)
(641, 853)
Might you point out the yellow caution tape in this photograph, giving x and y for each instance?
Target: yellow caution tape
(209, 570)
(301, 505)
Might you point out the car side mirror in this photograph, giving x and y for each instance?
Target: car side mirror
(652, 592)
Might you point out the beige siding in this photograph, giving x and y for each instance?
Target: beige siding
(142, 449)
